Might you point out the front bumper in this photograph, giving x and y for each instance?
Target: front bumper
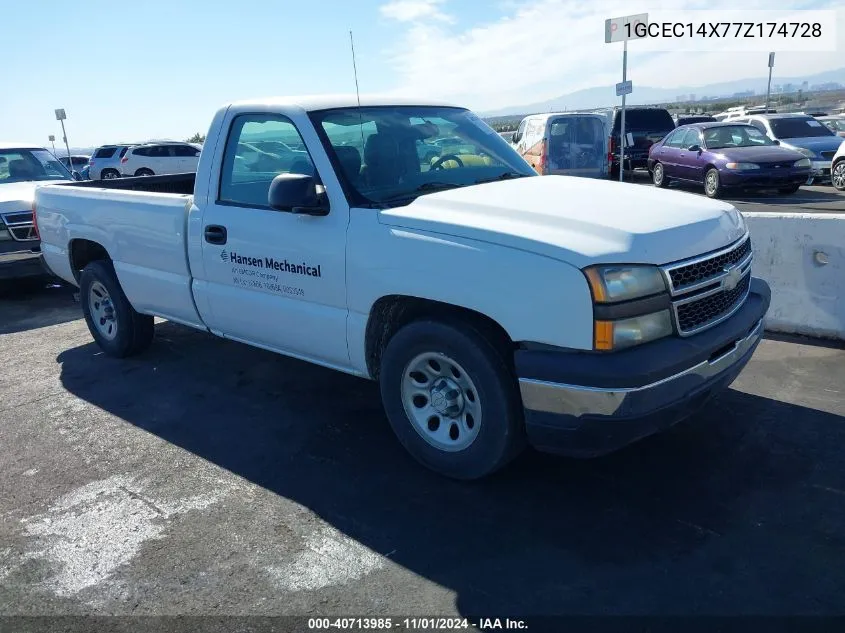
(820, 170)
(585, 404)
(762, 178)
(20, 264)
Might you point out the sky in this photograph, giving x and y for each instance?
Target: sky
(131, 71)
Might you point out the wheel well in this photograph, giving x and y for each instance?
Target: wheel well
(389, 314)
(83, 252)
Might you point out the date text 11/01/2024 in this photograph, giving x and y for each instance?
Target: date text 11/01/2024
(416, 624)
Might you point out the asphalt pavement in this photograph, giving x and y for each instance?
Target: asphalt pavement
(808, 199)
(205, 477)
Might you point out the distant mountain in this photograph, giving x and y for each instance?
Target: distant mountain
(643, 95)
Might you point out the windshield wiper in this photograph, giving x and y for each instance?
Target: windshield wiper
(426, 187)
(437, 186)
(505, 176)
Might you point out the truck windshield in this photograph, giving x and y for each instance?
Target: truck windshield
(391, 155)
(21, 165)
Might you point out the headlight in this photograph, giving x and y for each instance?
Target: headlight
(804, 162)
(621, 283)
(615, 335)
(742, 166)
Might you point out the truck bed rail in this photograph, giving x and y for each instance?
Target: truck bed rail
(171, 183)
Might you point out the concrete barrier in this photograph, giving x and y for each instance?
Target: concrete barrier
(802, 257)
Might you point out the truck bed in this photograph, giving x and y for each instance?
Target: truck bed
(140, 222)
(172, 183)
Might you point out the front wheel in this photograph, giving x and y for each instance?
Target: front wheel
(658, 176)
(451, 399)
(837, 175)
(117, 328)
(712, 183)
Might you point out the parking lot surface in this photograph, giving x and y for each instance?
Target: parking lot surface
(207, 477)
(808, 199)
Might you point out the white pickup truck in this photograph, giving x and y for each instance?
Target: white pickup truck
(495, 307)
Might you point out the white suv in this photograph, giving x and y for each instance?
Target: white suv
(160, 158)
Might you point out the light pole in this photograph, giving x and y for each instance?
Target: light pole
(60, 117)
(769, 86)
(52, 140)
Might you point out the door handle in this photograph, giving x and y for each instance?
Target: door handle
(215, 234)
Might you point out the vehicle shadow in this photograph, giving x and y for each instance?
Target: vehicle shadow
(770, 196)
(713, 514)
(27, 305)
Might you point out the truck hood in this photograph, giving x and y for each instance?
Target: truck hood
(577, 220)
(19, 192)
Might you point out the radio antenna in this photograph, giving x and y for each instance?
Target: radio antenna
(357, 92)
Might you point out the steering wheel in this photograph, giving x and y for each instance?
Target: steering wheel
(438, 164)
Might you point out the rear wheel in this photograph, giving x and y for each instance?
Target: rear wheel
(119, 330)
(788, 190)
(712, 183)
(837, 175)
(451, 399)
(144, 172)
(658, 176)
(109, 174)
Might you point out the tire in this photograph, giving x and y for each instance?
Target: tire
(144, 172)
(109, 174)
(712, 183)
(483, 383)
(789, 190)
(131, 332)
(837, 175)
(658, 176)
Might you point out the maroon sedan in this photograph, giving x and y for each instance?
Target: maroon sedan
(726, 155)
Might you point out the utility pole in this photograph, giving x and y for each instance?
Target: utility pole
(769, 87)
(60, 117)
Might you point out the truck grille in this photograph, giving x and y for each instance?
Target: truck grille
(695, 314)
(706, 290)
(20, 226)
(687, 275)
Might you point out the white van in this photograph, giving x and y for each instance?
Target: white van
(564, 143)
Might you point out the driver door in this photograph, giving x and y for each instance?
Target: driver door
(271, 278)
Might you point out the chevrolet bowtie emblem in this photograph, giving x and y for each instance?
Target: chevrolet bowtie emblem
(731, 278)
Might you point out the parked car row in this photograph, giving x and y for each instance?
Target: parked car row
(143, 159)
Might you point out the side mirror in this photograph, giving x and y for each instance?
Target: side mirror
(776, 142)
(694, 148)
(297, 193)
(76, 175)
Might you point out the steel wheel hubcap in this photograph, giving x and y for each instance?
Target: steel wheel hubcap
(658, 174)
(711, 182)
(441, 401)
(839, 175)
(102, 310)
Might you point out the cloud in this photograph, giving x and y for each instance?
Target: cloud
(412, 10)
(541, 49)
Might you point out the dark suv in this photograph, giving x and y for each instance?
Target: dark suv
(647, 125)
